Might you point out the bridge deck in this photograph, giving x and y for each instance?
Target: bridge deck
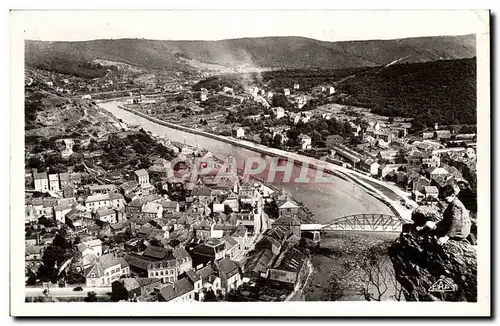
(359, 222)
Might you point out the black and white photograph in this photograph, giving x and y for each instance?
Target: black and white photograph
(183, 160)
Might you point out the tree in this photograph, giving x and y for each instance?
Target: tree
(35, 163)
(277, 141)
(91, 297)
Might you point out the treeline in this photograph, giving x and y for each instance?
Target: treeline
(440, 91)
(83, 69)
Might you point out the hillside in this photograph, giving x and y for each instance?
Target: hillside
(265, 52)
(440, 91)
(48, 115)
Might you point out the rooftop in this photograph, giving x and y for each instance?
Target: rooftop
(141, 173)
(98, 197)
(179, 288)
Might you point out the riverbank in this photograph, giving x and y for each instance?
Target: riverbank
(321, 166)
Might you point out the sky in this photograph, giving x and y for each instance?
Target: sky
(326, 25)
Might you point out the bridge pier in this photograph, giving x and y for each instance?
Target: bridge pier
(316, 236)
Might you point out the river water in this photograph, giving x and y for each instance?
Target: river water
(326, 200)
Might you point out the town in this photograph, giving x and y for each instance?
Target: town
(116, 212)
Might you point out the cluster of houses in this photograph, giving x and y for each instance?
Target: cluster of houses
(144, 243)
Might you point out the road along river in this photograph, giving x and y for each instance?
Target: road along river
(326, 200)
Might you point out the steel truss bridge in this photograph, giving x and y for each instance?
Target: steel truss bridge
(359, 222)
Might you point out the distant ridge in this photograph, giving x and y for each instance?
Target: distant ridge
(264, 52)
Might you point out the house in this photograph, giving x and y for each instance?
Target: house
(287, 207)
(296, 86)
(95, 189)
(278, 112)
(241, 236)
(290, 268)
(184, 261)
(54, 182)
(289, 222)
(166, 270)
(202, 230)
(417, 196)
(203, 194)
(106, 215)
(209, 279)
(231, 245)
(305, 141)
(41, 181)
(238, 132)
(117, 201)
(259, 263)
(152, 210)
(388, 155)
(438, 171)
(105, 271)
(431, 192)
(371, 166)
(442, 134)
(199, 208)
(213, 249)
(180, 291)
(132, 288)
(170, 207)
(142, 177)
(229, 274)
(134, 208)
(272, 239)
(94, 202)
(120, 227)
(60, 212)
(286, 91)
(92, 247)
(385, 169)
(331, 90)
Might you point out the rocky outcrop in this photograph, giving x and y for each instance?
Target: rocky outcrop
(425, 213)
(431, 272)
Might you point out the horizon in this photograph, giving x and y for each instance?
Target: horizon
(218, 25)
(248, 37)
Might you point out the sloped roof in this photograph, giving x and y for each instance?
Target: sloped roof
(431, 189)
(181, 253)
(145, 281)
(141, 173)
(287, 203)
(157, 252)
(179, 288)
(437, 171)
(193, 276)
(287, 220)
(240, 231)
(130, 283)
(170, 204)
(291, 260)
(137, 261)
(120, 225)
(260, 262)
(98, 197)
(105, 212)
(227, 266)
(229, 241)
(201, 191)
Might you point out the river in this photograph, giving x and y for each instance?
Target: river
(326, 201)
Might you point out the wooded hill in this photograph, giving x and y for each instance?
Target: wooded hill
(267, 52)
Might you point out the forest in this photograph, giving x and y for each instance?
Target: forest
(440, 91)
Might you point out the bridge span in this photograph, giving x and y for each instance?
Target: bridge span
(357, 222)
